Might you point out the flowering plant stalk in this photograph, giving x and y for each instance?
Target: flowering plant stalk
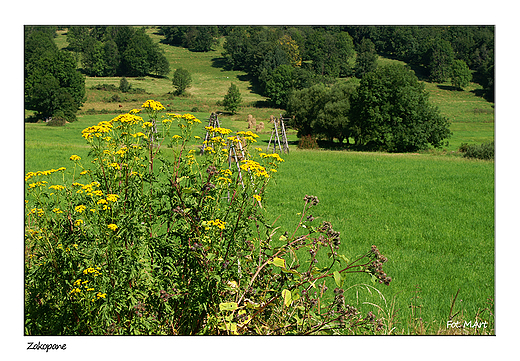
(150, 238)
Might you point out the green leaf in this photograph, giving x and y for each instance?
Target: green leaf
(228, 306)
(278, 262)
(282, 238)
(189, 190)
(337, 278)
(287, 297)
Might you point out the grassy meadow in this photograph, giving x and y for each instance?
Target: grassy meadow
(430, 213)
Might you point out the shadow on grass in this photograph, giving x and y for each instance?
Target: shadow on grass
(449, 87)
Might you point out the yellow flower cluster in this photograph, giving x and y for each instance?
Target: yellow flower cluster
(217, 223)
(257, 197)
(273, 155)
(44, 172)
(79, 283)
(91, 270)
(249, 135)
(128, 118)
(97, 130)
(223, 131)
(226, 173)
(40, 212)
(57, 187)
(152, 104)
(255, 167)
(75, 157)
(112, 197)
(112, 226)
(87, 188)
(139, 134)
(57, 211)
(37, 184)
(81, 208)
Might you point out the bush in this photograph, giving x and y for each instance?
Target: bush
(124, 85)
(181, 80)
(151, 242)
(232, 99)
(483, 151)
(57, 122)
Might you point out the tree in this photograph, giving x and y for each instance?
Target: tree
(366, 60)
(53, 85)
(329, 52)
(181, 80)
(232, 99)
(322, 111)
(391, 112)
(440, 60)
(460, 74)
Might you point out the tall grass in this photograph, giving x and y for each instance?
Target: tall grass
(432, 216)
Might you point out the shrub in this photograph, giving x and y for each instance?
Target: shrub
(479, 151)
(57, 122)
(153, 241)
(181, 80)
(124, 85)
(232, 99)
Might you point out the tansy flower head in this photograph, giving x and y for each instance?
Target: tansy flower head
(152, 104)
(112, 226)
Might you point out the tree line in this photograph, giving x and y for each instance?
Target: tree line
(55, 87)
(117, 51)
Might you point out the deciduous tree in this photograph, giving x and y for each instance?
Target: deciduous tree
(181, 80)
(391, 112)
(460, 74)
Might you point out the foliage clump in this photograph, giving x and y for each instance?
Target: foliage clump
(181, 80)
(232, 99)
(145, 240)
(484, 151)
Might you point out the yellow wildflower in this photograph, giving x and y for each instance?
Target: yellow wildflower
(112, 226)
(152, 104)
(218, 223)
(80, 208)
(257, 197)
(57, 187)
(112, 197)
(75, 157)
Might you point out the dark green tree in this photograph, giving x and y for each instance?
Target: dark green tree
(366, 60)
(440, 59)
(124, 85)
(53, 86)
(460, 74)
(232, 99)
(36, 44)
(391, 112)
(280, 85)
(181, 80)
(94, 58)
(329, 52)
(322, 111)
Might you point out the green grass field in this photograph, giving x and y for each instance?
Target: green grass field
(431, 214)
